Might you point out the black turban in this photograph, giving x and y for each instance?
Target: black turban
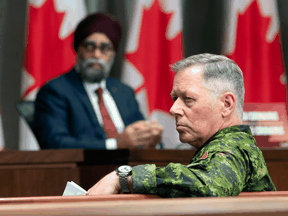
(98, 22)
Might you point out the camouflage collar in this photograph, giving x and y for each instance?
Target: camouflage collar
(222, 132)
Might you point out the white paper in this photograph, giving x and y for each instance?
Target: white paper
(73, 189)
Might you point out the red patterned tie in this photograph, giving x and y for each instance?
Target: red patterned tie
(109, 126)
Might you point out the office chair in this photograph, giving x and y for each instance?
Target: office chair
(26, 110)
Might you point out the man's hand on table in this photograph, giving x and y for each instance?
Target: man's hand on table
(143, 134)
(109, 184)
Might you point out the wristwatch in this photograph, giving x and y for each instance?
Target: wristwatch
(123, 172)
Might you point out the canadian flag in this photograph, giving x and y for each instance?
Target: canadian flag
(49, 50)
(252, 41)
(154, 43)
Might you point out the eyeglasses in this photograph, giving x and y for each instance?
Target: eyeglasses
(91, 46)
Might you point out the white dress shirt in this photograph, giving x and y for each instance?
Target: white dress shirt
(111, 107)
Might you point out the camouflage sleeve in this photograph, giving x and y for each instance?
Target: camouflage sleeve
(219, 174)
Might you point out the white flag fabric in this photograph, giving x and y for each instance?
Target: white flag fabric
(49, 50)
(154, 43)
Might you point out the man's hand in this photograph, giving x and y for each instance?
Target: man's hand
(108, 185)
(140, 134)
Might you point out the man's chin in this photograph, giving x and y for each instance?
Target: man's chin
(93, 79)
(184, 139)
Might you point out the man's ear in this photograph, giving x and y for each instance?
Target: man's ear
(112, 55)
(228, 100)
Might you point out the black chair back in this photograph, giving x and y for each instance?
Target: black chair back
(26, 110)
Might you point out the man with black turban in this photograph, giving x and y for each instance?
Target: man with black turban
(85, 108)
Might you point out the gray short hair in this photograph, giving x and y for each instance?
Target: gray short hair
(221, 72)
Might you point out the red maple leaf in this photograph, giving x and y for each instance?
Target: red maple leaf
(204, 156)
(46, 55)
(260, 61)
(154, 55)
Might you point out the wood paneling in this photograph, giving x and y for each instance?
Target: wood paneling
(37, 180)
(46, 172)
(43, 156)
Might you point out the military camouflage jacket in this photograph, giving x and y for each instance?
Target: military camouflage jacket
(228, 163)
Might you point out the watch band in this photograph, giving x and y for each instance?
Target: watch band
(124, 172)
(124, 182)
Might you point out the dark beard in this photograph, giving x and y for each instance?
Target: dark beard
(90, 74)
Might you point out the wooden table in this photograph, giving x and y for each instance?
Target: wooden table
(72, 199)
(46, 172)
(227, 206)
(115, 197)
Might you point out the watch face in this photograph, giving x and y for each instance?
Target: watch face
(125, 169)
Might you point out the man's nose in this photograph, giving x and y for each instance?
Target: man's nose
(176, 108)
(97, 53)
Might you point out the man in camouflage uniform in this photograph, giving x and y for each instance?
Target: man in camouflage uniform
(208, 95)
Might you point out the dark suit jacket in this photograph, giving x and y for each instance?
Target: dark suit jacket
(64, 116)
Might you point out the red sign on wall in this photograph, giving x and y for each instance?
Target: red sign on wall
(268, 123)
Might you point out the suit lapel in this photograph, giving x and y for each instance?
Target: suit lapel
(114, 91)
(81, 94)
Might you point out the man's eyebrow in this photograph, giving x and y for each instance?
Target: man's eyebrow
(173, 93)
(94, 43)
(89, 42)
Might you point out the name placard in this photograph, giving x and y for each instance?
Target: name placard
(268, 123)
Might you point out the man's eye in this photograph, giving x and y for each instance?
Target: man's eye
(188, 99)
(105, 48)
(90, 47)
